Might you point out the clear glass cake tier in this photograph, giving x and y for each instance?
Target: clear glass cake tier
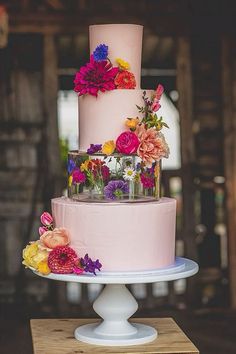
(114, 178)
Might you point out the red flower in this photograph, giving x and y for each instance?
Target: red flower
(125, 80)
(127, 143)
(62, 260)
(78, 176)
(95, 76)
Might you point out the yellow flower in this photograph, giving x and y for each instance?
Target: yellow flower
(43, 267)
(132, 123)
(108, 147)
(123, 65)
(33, 255)
(84, 166)
(70, 179)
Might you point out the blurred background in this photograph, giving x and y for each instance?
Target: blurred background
(189, 47)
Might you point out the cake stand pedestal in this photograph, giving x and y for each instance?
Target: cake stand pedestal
(115, 305)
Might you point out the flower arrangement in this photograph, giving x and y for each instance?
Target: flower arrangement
(144, 136)
(52, 253)
(100, 75)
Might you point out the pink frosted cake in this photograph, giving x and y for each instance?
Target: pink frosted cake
(114, 211)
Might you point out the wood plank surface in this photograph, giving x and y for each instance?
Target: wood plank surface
(56, 336)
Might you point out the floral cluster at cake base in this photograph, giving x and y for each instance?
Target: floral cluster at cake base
(52, 252)
(100, 75)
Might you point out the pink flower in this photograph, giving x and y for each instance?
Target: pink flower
(159, 92)
(42, 230)
(156, 105)
(55, 238)
(78, 176)
(127, 143)
(95, 76)
(46, 219)
(62, 260)
(147, 181)
(152, 145)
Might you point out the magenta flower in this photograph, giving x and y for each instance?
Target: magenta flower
(127, 143)
(95, 76)
(78, 176)
(46, 219)
(147, 181)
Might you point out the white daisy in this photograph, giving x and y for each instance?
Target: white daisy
(129, 174)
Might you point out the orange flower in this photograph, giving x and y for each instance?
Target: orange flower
(57, 237)
(125, 80)
(152, 145)
(132, 123)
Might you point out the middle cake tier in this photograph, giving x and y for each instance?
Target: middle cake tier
(103, 118)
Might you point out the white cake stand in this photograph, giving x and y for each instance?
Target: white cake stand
(115, 305)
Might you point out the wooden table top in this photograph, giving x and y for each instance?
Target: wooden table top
(56, 336)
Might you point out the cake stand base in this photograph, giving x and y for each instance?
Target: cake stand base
(115, 305)
(144, 334)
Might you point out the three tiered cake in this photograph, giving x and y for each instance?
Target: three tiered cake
(113, 211)
(118, 217)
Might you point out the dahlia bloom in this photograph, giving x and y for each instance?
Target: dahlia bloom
(62, 260)
(116, 189)
(152, 145)
(125, 80)
(127, 143)
(95, 76)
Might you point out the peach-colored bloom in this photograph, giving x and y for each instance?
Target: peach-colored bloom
(152, 145)
(57, 237)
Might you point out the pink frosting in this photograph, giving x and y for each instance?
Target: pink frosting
(125, 237)
(103, 118)
(124, 41)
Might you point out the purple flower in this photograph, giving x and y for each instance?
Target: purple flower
(70, 166)
(100, 53)
(94, 148)
(89, 265)
(78, 176)
(116, 189)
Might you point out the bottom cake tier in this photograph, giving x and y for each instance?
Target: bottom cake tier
(124, 237)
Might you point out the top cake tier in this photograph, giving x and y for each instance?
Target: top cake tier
(123, 40)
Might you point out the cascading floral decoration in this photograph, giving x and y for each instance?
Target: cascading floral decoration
(143, 138)
(100, 75)
(52, 253)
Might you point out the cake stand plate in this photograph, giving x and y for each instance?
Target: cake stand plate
(115, 305)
